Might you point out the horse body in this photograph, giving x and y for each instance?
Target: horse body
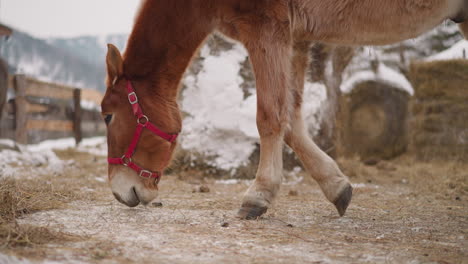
(370, 22)
(276, 34)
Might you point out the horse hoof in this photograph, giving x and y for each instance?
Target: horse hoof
(343, 200)
(250, 211)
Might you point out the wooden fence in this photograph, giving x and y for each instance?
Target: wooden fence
(41, 110)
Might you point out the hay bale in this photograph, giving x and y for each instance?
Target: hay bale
(373, 121)
(440, 79)
(439, 127)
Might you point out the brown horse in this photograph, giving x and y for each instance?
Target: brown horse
(276, 33)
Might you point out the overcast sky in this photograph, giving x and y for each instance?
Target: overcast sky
(68, 18)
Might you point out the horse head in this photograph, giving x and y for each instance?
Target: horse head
(142, 126)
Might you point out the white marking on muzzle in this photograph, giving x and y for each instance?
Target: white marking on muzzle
(124, 180)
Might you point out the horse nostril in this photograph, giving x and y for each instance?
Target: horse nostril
(135, 201)
(118, 197)
(132, 203)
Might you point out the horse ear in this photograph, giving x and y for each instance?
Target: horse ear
(114, 62)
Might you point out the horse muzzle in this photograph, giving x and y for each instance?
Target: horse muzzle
(132, 202)
(129, 188)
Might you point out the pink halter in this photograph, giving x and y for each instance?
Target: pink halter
(142, 123)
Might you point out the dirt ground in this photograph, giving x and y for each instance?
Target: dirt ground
(402, 212)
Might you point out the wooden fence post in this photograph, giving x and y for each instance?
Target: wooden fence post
(77, 115)
(21, 118)
(3, 85)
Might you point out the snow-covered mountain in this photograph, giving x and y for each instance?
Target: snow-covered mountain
(91, 49)
(76, 62)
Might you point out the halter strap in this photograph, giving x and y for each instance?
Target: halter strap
(142, 123)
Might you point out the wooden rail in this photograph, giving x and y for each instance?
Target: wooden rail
(42, 110)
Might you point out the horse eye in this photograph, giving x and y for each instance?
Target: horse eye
(107, 119)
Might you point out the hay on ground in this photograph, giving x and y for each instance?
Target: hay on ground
(20, 198)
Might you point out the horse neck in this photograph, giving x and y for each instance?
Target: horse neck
(165, 37)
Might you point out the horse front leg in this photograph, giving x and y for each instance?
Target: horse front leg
(271, 63)
(334, 184)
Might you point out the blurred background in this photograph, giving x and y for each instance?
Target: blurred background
(394, 117)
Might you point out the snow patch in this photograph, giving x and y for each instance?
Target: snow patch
(95, 146)
(7, 142)
(365, 185)
(458, 51)
(36, 161)
(221, 125)
(383, 74)
(221, 122)
(90, 105)
(40, 158)
(314, 96)
(234, 181)
(4, 259)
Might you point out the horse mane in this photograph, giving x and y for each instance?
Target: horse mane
(161, 29)
(138, 62)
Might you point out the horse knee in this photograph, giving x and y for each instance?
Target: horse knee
(272, 119)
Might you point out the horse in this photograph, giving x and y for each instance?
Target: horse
(140, 104)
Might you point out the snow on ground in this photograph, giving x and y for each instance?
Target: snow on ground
(221, 123)
(41, 157)
(457, 51)
(383, 74)
(5, 259)
(314, 96)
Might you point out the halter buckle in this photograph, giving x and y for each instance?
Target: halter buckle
(132, 98)
(145, 174)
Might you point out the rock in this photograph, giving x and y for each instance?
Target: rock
(386, 166)
(293, 193)
(157, 204)
(371, 161)
(224, 224)
(204, 189)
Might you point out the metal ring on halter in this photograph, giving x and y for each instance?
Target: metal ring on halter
(124, 162)
(145, 118)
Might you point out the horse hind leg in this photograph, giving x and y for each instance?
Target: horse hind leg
(271, 64)
(334, 184)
